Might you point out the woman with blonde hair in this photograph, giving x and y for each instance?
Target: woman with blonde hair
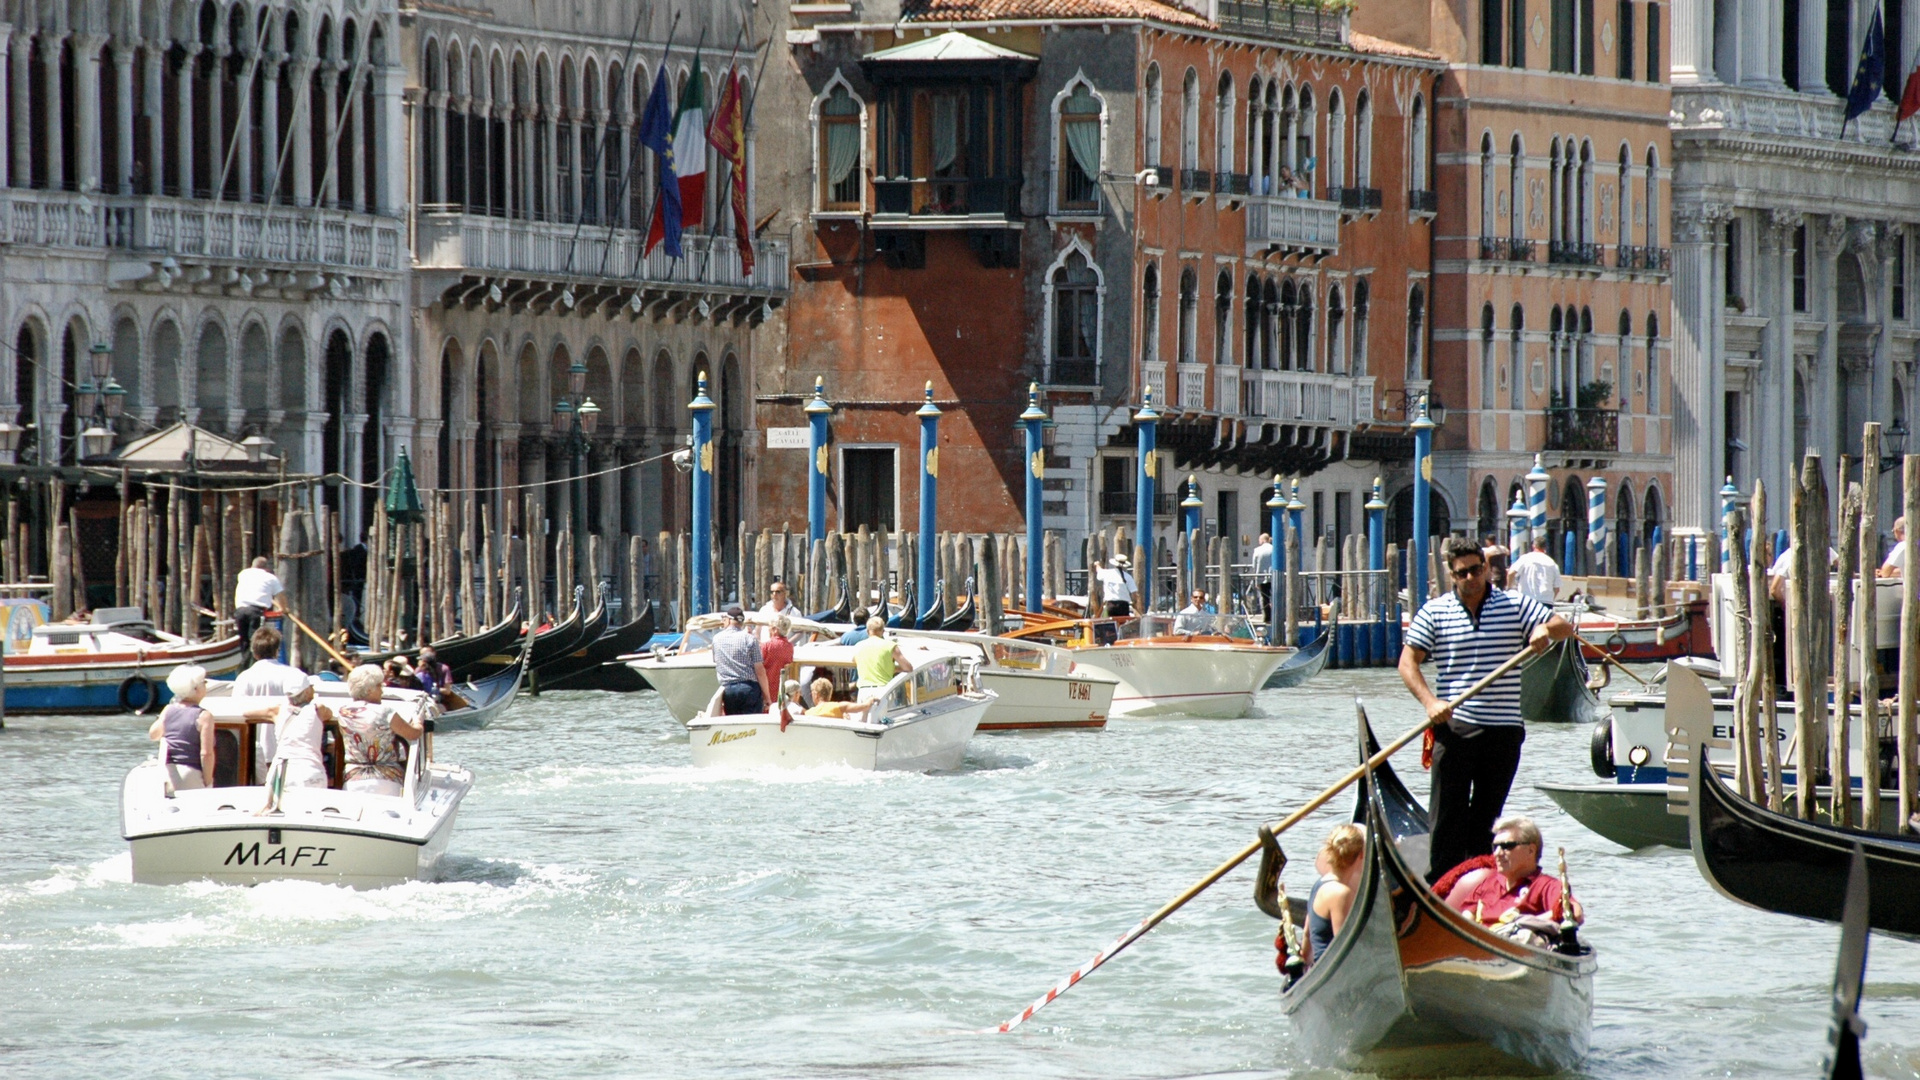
(376, 760)
(1331, 900)
(187, 729)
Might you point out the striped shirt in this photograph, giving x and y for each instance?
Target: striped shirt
(1467, 651)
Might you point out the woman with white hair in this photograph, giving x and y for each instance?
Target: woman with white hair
(187, 729)
(375, 759)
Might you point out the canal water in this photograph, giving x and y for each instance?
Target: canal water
(611, 911)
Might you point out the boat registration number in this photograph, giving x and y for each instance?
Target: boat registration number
(1079, 691)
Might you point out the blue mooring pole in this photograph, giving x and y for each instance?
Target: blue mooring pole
(929, 415)
(1377, 562)
(1295, 511)
(1276, 564)
(818, 412)
(1036, 421)
(1422, 426)
(1146, 422)
(702, 584)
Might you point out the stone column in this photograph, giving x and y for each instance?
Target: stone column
(183, 120)
(436, 183)
(550, 178)
(578, 160)
(245, 128)
(1692, 63)
(480, 154)
(217, 122)
(389, 119)
(86, 110)
(7, 142)
(56, 123)
(123, 118)
(1813, 49)
(330, 169)
(304, 69)
(1757, 42)
(356, 158)
(530, 181)
(503, 115)
(153, 114)
(1773, 385)
(270, 125)
(1699, 466)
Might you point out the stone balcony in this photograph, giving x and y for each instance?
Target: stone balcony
(1279, 224)
(477, 261)
(1307, 397)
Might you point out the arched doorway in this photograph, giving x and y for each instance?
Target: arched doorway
(1490, 516)
(373, 455)
(336, 370)
(1625, 540)
(1573, 522)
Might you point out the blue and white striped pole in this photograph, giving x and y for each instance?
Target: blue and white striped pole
(1422, 426)
(1036, 473)
(1537, 481)
(701, 585)
(1190, 521)
(817, 412)
(1597, 524)
(1276, 586)
(1146, 422)
(1517, 527)
(1728, 496)
(929, 415)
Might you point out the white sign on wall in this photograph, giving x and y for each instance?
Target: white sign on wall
(787, 438)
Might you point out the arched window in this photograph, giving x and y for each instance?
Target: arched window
(1583, 372)
(1556, 367)
(1336, 140)
(1188, 315)
(1625, 540)
(1360, 295)
(1416, 335)
(1516, 358)
(1586, 231)
(1516, 189)
(1253, 315)
(1336, 331)
(1653, 365)
(1303, 330)
(1490, 512)
(1652, 199)
(1488, 192)
(1623, 197)
(1302, 150)
(1077, 152)
(1271, 317)
(1625, 364)
(1554, 169)
(1076, 322)
(1223, 126)
(1223, 318)
(1289, 303)
(1486, 357)
(1417, 151)
(1150, 315)
(1153, 155)
(839, 149)
(1256, 168)
(1190, 121)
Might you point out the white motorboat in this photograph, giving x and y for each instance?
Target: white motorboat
(1194, 665)
(921, 721)
(228, 833)
(683, 675)
(1040, 686)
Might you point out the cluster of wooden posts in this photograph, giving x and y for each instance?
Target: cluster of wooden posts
(1832, 644)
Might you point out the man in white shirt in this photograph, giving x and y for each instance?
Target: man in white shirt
(268, 678)
(779, 605)
(1196, 617)
(1534, 574)
(1896, 564)
(1116, 586)
(1263, 573)
(254, 593)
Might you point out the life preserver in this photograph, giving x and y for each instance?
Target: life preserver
(150, 695)
(1617, 644)
(1602, 748)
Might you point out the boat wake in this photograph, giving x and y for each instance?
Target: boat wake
(559, 778)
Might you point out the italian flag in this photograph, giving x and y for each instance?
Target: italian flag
(690, 150)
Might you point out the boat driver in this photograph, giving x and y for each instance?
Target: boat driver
(1196, 617)
(1514, 886)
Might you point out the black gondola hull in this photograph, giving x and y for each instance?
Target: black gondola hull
(1553, 688)
(1306, 662)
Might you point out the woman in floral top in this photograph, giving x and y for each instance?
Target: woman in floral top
(376, 760)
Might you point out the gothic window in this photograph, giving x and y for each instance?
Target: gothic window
(1303, 329)
(1486, 357)
(1363, 140)
(1416, 335)
(840, 151)
(1488, 194)
(1223, 125)
(1625, 363)
(1336, 140)
(1336, 332)
(1076, 321)
(1078, 150)
(1360, 291)
(1188, 315)
(1554, 168)
(1150, 315)
(1153, 118)
(1652, 200)
(1516, 358)
(1289, 301)
(1223, 318)
(1190, 121)
(1418, 148)
(1516, 189)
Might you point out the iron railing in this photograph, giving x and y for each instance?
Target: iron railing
(1583, 429)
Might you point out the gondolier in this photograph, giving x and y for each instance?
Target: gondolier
(254, 591)
(1476, 751)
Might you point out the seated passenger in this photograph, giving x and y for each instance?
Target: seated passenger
(400, 675)
(791, 708)
(376, 762)
(187, 729)
(1331, 900)
(824, 705)
(1515, 887)
(1196, 617)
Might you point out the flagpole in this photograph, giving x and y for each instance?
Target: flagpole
(626, 178)
(706, 139)
(600, 143)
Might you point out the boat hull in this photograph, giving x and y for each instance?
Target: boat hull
(1553, 688)
(1631, 815)
(53, 684)
(1158, 679)
(933, 743)
(1041, 701)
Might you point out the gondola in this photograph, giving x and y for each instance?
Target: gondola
(1304, 664)
(469, 653)
(1553, 688)
(559, 640)
(839, 612)
(483, 700)
(1849, 975)
(588, 668)
(1411, 987)
(962, 618)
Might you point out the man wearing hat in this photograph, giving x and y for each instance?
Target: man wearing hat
(1116, 585)
(737, 663)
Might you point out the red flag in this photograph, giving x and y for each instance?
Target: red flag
(728, 135)
(1910, 97)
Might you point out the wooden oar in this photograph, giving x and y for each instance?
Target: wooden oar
(324, 643)
(1246, 853)
(1604, 655)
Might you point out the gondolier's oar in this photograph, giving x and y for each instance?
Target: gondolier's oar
(1248, 852)
(1604, 655)
(324, 643)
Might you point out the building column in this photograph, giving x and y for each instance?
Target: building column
(86, 110)
(246, 128)
(123, 116)
(1813, 49)
(1772, 386)
(7, 142)
(480, 154)
(503, 115)
(578, 161)
(389, 119)
(356, 160)
(1698, 397)
(270, 125)
(302, 133)
(153, 114)
(437, 182)
(56, 123)
(330, 97)
(550, 177)
(217, 122)
(1692, 57)
(183, 119)
(530, 181)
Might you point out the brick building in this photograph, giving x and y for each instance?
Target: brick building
(1230, 206)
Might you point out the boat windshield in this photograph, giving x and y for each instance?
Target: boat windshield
(1008, 654)
(1195, 624)
(934, 678)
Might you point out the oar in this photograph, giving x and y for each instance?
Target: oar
(324, 643)
(1604, 655)
(1246, 853)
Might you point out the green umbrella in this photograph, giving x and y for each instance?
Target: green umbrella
(403, 499)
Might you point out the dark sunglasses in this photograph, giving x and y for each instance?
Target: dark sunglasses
(1508, 845)
(1468, 571)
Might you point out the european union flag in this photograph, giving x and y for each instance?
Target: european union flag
(656, 134)
(1870, 76)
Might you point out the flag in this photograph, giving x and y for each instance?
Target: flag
(656, 134)
(690, 148)
(1870, 73)
(1910, 99)
(728, 135)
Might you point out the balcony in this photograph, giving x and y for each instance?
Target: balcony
(1226, 390)
(1231, 184)
(1306, 226)
(1154, 374)
(1195, 182)
(1127, 503)
(1634, 257)
(1423, 201)
(1493, 248)
(196, 229)
(530, 264)
(1288, 20)
(1583, 430)
(1193, 388)
(1573, 253)
(1307, 397)
(1355, 200)
(946, 202)
(1519, 249)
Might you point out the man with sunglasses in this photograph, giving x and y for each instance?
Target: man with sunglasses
(1476, 749)
(1514, 886)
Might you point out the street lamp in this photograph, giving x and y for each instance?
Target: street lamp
(98, 400)
(10, 434)
(256, 446)
(574, 427)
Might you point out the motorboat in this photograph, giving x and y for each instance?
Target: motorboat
(242, 832)
(1412, 987)
(118, 662)
(921, 721)
(1195, 664)
(1040, 686)
(683, 673)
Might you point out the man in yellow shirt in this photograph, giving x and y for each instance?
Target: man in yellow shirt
(878, 659)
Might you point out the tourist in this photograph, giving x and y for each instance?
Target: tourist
(434, 676)
(791, 708)
(1470, 631)
(1196, 617)
(779, 605)
(269, 678)
(878, 659)
(738, 665)
(400, 675)
(824, 705)
(777, 651)
(859, 632)
(187, 730)
(1117, 586)
(1263, 574)
(1331, 900)
(1535, 574)
(1514, 886)
(300, 725)
(1496, 554)
(376, 758)
(255, 591)
(1896, 563)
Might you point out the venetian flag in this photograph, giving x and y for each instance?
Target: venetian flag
(728, 135)
(690, 148)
